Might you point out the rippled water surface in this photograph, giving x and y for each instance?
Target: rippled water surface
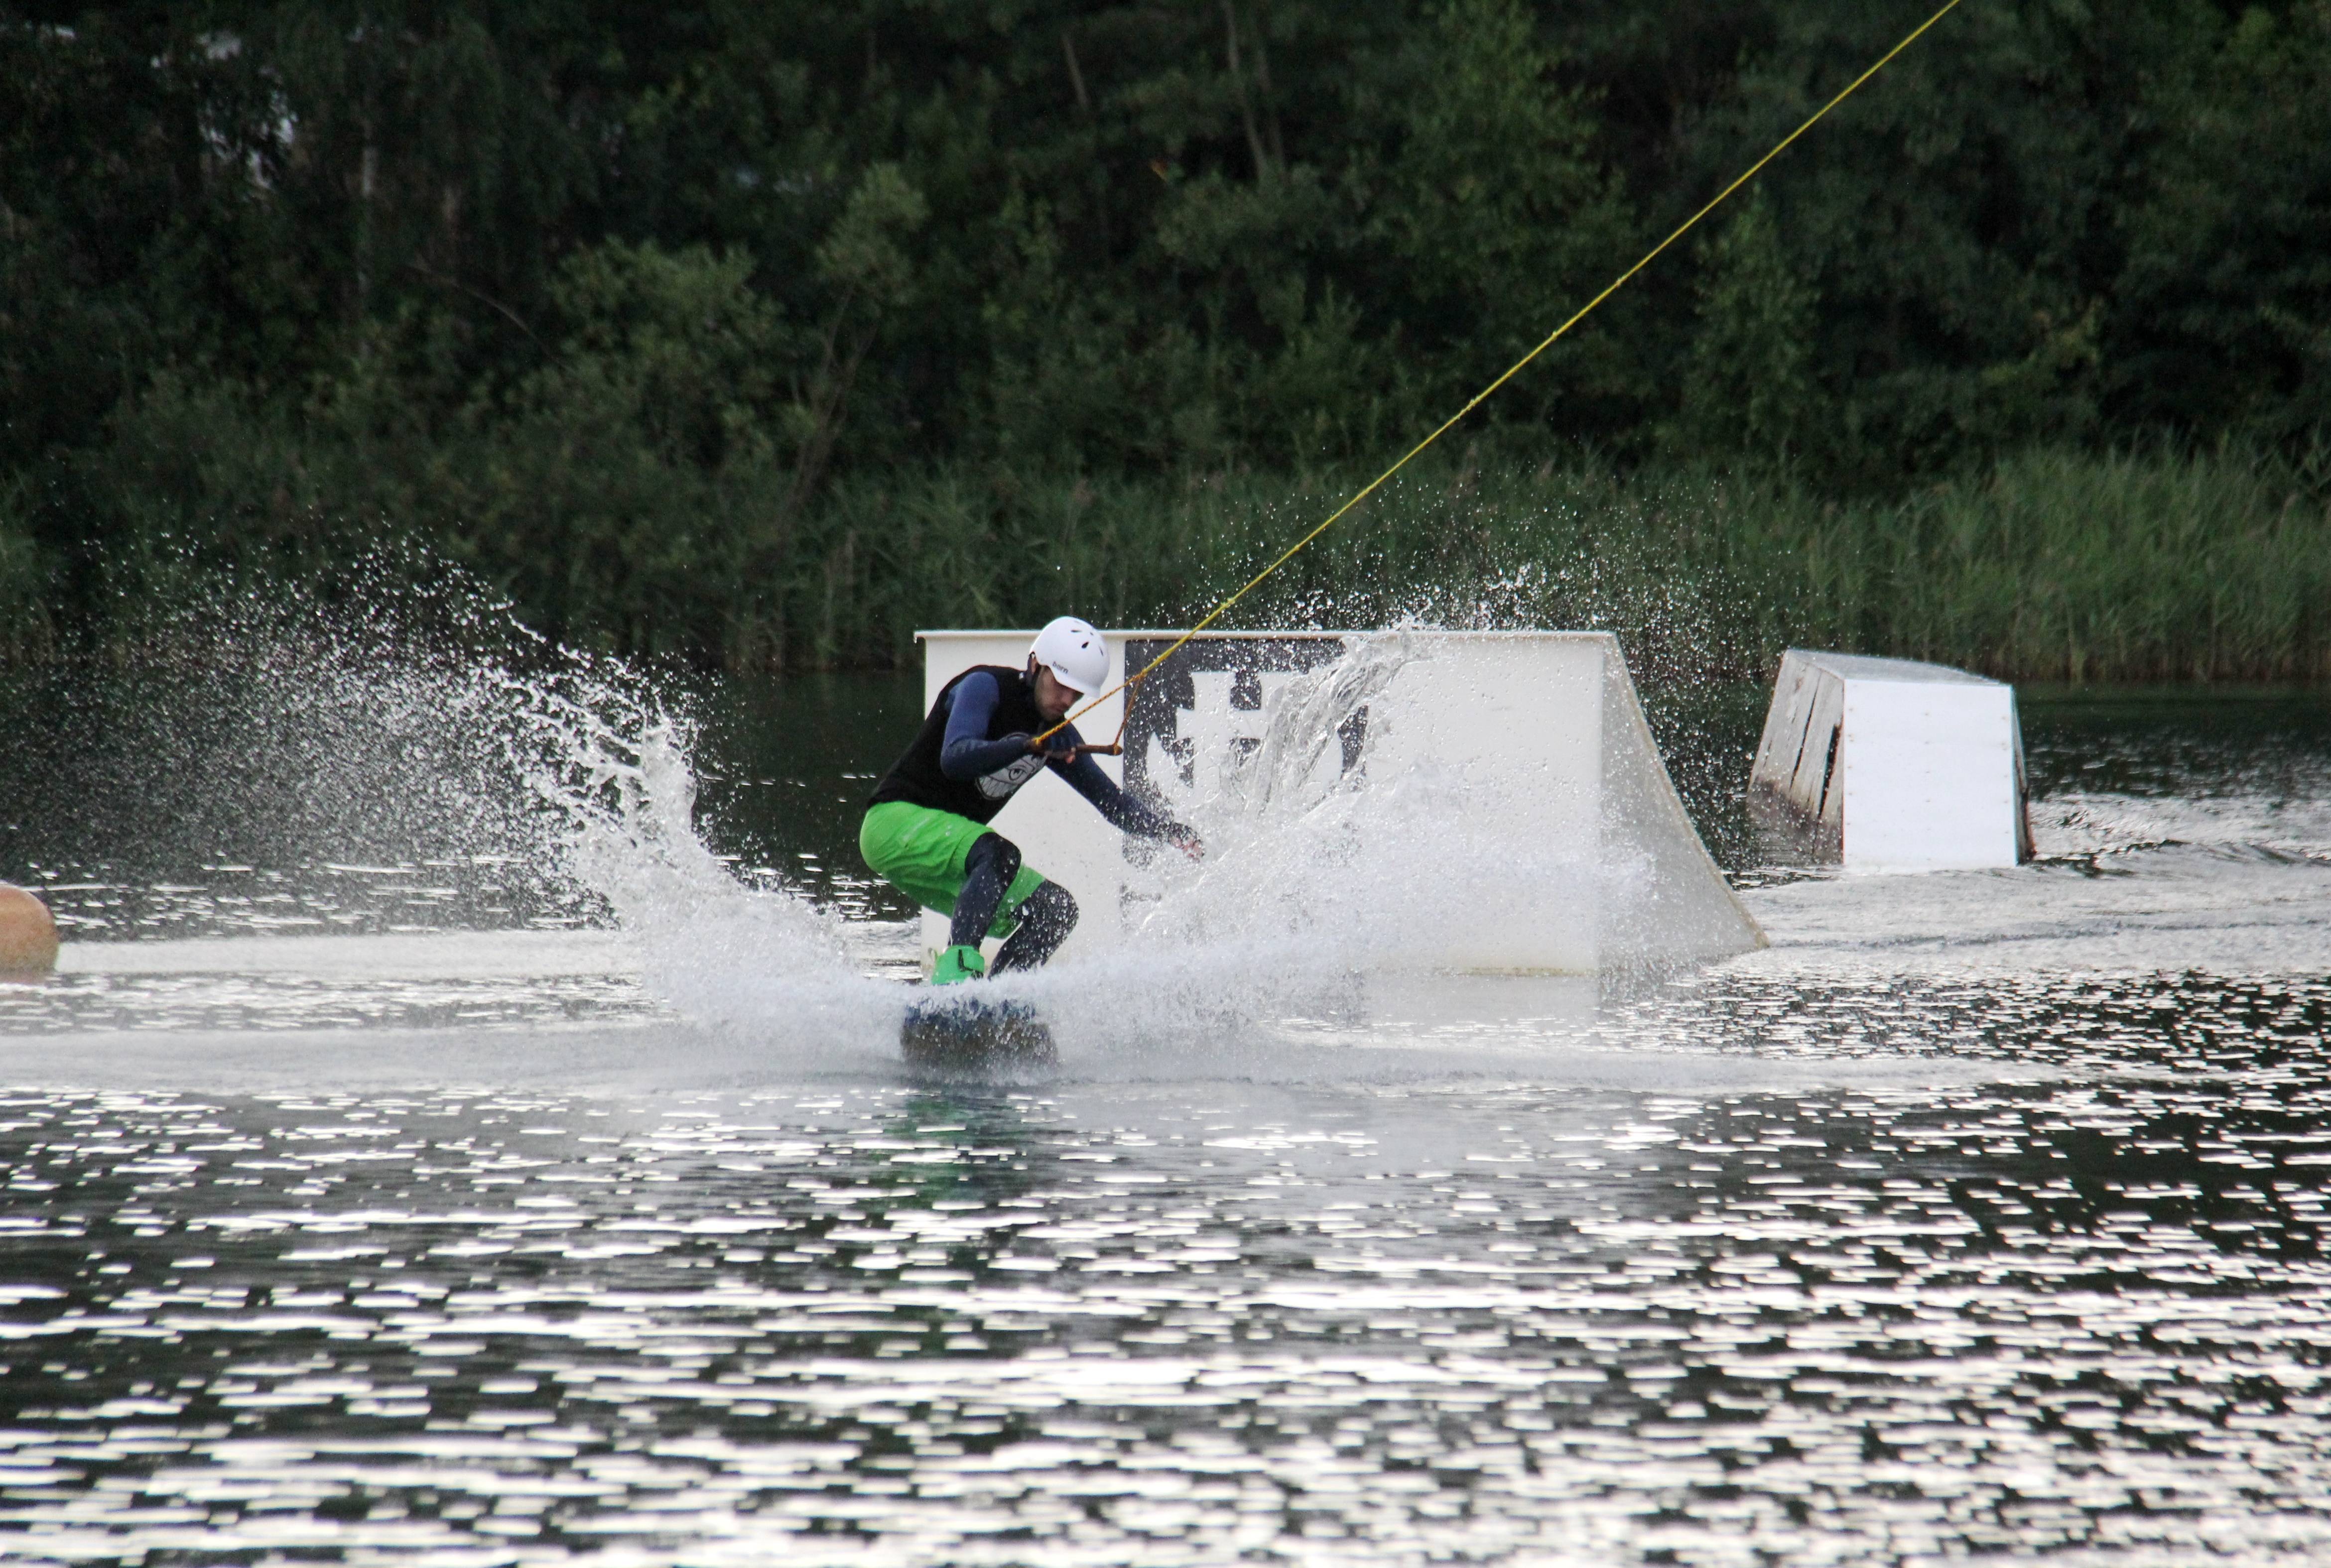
(1979, 1215)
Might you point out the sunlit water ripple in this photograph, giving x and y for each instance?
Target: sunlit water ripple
(1981, 1214)
(1165, 1323)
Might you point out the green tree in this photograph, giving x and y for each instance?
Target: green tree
(1749, 386)
(2222, 319)
(1503, 219)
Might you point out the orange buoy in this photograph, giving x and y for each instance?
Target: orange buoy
(28, 937)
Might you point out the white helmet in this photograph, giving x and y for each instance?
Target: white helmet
(1074, 652)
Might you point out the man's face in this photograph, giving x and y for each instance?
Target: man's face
(1053, 699)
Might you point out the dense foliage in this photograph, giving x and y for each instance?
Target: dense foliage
(691, 327)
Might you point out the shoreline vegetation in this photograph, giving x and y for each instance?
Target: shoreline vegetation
(2048, 567)
(754, 337)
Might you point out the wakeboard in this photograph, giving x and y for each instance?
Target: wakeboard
(959, 1032)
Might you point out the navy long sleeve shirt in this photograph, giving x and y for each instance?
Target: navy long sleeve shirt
(968, 754)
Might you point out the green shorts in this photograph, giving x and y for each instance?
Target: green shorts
(921, 851)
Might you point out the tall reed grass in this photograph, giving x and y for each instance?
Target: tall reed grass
(2052, 564)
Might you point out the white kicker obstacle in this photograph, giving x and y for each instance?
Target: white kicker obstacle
(1887, 765)
(1504, 785)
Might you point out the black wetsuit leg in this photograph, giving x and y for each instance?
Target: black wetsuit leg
(1046, 919)
(988, 870)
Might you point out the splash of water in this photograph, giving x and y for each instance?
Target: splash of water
(1325, 887)
(1321, 881)
(403, 755)
(609, 758)
(398, 730)
(1233, 941)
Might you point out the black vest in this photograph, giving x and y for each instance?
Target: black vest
(917, 777)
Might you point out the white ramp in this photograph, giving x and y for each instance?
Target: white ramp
(1505, 783)
(1889, 765)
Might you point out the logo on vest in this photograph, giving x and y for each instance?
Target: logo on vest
(1005, 781)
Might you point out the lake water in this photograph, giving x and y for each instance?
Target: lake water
(372, 1199)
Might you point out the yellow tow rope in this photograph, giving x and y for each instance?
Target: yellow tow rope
(1478, 398)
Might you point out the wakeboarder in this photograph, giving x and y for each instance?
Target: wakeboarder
(925, 828)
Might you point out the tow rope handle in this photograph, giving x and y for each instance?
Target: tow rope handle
(1070, 754)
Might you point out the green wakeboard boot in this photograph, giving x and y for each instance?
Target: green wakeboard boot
(957, 964)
